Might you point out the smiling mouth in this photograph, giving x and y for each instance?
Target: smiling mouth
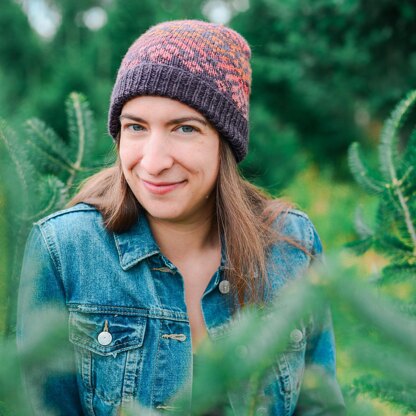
(161, 188)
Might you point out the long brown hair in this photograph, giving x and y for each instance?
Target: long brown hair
(244, 216)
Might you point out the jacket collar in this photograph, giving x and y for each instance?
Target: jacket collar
(136, 244)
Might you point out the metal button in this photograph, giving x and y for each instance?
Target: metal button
(296, 335)
(104, 338)
(224, 286)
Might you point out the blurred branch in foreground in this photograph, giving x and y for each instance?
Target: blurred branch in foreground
(240, 364)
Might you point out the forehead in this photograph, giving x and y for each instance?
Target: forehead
(160, 105)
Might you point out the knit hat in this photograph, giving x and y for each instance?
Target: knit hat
(203, 65)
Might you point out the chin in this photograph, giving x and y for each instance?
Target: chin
(165, 213)
(175, 210)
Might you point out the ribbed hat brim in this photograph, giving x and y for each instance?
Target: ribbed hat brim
(173, 82)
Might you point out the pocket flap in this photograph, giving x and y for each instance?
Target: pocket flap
(127, 332)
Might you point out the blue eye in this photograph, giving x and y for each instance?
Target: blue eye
(187, 129)
(135, 127)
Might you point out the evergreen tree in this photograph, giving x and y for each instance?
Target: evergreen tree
(40, 173)
(21, 58)
(321, 68)
(394, 231)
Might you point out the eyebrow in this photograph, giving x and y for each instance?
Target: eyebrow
(170, 122)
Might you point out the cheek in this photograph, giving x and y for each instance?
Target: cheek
(206, 170)
(129, 156)
(215, 174)
(212, 170)
(216, 158)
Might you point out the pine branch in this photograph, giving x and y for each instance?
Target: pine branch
(406, 211)
(53, 193)
(388, 142)
(397, 272)
(22, 165)
(409, 309)
(400, 394)
(74, 106)
(48, 144)
(378, 313)
(360, 246)
(362, 228)
(385, 359)
(394, 248)
(388, 159)
(410, 152)
(360, 172)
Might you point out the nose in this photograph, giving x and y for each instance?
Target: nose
(156, 156)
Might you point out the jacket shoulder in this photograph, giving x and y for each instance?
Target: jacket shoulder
(296, 226)
(78, 217)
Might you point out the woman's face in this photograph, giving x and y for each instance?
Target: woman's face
(170, 158)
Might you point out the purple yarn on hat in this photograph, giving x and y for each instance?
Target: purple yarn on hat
(203, 65)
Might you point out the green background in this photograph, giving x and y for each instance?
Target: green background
(325, 73)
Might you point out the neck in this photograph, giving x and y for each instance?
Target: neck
(177, 240)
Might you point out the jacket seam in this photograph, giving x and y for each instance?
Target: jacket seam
(76, 208)
(127, 311)
(53, 256)
(310, 230)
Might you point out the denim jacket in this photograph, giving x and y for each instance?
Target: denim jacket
(128, 327)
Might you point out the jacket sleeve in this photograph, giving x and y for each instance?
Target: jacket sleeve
(320, 393)
(42, 334)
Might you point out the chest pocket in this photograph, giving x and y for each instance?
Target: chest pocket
(108, 355)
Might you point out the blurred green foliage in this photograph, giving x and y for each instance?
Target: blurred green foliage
(40, 173)
(330, 69)
(325, 74)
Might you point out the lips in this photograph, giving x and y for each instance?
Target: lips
(161, 188)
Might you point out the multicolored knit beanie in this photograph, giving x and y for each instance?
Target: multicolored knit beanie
(203, 65)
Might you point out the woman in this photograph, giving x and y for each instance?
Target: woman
(159, 251)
